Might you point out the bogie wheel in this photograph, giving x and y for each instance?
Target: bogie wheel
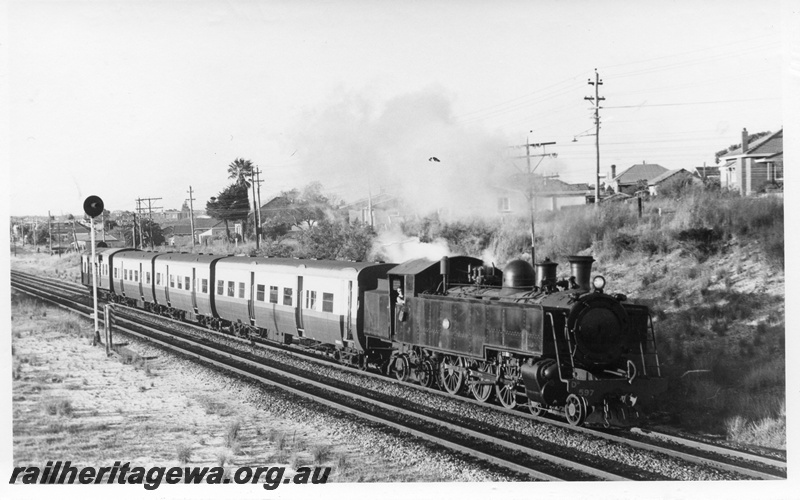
(483, 392)
(575, 410)
(536, 409)
(425, 374)
(402, 368)
(451, 378)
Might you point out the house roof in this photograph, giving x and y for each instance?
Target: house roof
(616, 197)
(707, 171)
(379, 200)
(200, 224)
(546, 186)
(638, 172)
(756, 146)
(666, 175)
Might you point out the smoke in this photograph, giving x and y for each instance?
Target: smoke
(394, 246)
(356, 147)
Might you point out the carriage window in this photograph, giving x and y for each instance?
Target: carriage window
(172, 281)
(136, 276)
(273, 294)
(204, 284)
(311, 299)
(220, 287)
(241, 290)
(187, 283)
(287, 296)
(125, 274)
(158, 278)
(327, 302)
(147, 277)
(260, 293)
(115, 272)
(180, 282)
(231, 289)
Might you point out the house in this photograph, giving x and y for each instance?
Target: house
(548, 194)
(387, 211)
(636, 177)
(205, 229)
(754, 165)
(83, 240)
(672, 180)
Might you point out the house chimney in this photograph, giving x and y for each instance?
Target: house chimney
(613, 171)
(744, 140)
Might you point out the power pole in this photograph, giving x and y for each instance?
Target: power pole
(258, 195)
(50, 231)
(596, 102)
(191, 215)
(139, 213)
(255, 204)
(530, 194)
(150, 207)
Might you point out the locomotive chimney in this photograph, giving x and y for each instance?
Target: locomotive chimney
(444, 270)
(546, 270)
(580, 266)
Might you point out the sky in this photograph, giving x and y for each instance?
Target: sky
(129, 100)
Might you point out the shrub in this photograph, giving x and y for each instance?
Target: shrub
(61, 407)
(320, 453)
(184, 452)
(232, 433)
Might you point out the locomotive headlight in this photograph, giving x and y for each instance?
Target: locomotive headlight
(599, 283)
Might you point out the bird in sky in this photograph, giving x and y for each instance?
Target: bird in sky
(433, 158)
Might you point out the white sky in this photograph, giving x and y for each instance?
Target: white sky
(143, 99)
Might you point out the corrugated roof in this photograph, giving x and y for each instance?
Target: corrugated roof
(666, 175)
(413, 266)
(641, 171)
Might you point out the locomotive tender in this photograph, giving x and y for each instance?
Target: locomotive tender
(519, 335)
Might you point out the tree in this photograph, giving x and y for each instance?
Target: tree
(229, 205)
(337, 239)
(242, 171)
(299, 209)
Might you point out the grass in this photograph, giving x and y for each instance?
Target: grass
(320, 453)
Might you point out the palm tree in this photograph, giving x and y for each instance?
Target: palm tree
(241, 170)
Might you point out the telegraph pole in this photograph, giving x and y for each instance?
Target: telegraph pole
(596, 103)
(531, 195)
(50, 231)
(139, 209)
(255, 204)
(191, 214)
(258, 212)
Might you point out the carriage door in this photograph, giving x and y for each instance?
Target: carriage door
(141, 282)
(194, 289)
(298, 310)
(251, 308)
(166, 286)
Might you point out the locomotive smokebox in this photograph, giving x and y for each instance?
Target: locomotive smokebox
(546, 270)
(518, 275)
(580, 266)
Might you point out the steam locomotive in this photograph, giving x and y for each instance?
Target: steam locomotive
(519, 335)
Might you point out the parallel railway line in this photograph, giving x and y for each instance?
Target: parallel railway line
(490, 445)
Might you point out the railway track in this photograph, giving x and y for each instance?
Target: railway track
(527, 456)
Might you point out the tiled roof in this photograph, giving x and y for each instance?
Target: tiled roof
(641, 171)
